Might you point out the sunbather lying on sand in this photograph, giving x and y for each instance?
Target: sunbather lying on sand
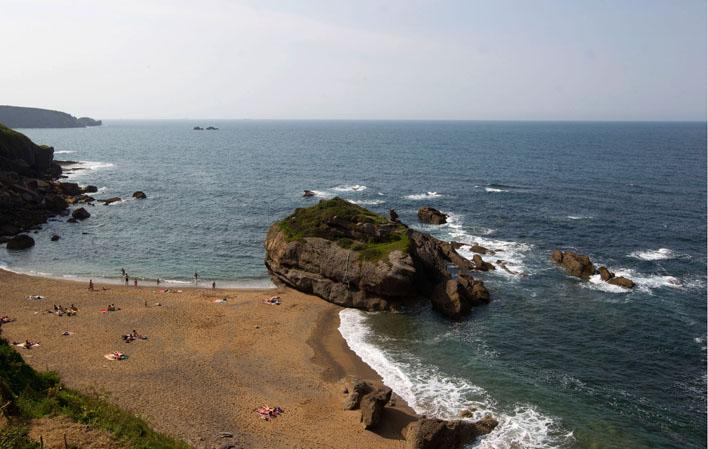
(116, 356)
(275, 301)
(36, 297)
(269, 413)
(221, 301)
(27, 344)
(6, 319)
(132, 336)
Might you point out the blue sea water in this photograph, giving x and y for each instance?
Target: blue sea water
(561, 362)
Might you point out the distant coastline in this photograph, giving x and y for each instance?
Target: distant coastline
(22, 117)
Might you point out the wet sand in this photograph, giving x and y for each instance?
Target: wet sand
(205, 366)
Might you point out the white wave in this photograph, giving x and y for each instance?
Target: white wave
(644, 282)
(367, 202)
(512, 253)
(651, 254)
(429, 392)
(82, 167)
(323, 194)
(350, 188)
(101, 189)
(423, 196)
(578, 217)
(64, 152)
(494, 190)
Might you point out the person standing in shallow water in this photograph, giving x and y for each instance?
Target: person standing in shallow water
(135, 282)
(196, 278)
(213, 284)
(126, 280)
(158, 281)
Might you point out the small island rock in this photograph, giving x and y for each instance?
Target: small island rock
(80, 214)
(431, 215)
(139, 195)
(19, 242)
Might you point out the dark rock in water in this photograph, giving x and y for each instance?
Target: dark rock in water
(55, 237)
(80, 214)
(457, 245)
(19, 242)
(481, 265)
(108, 201)
(429, 433)
(393, 216)
(575, 264)
(459, 296)
(605, 274)
(431, 215)
(372, 407)
(212, 128)
(139, 195)
(89, 189)
(198, 128)
(479, 249)
(70, 188)
(308, 194)
(353, 257)
(622, 281)
(55, 202)
(72, 220)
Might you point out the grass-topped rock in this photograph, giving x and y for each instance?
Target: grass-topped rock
(353, 257)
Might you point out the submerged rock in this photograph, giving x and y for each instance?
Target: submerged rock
(80, 214)
(22, 241)
(575, 264)
(431, 215)
(429, 433)
(308, 193)
(622, 281)
(139, 195)
(353, 257)
(111, 200)
(55, 237)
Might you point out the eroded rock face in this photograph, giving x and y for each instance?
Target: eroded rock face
(428, 433)
(431, 215)
(372, 407)
(575, 264)
(336, 264)
(605, 274)
(622, 281)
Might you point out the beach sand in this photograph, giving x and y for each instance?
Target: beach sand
(205, 366)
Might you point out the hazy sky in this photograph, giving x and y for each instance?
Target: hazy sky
(388, 59)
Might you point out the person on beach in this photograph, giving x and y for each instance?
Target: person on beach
(91, 284)
(122, 271)
(126, 280)
(213, 285)
(196, 278)
(135, 282)
(158, 281)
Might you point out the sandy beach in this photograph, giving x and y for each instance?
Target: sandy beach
(206, 366)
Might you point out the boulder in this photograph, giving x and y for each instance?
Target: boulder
(393, 216)
(431, 215)
(89, 189)
(353, 257)
(621, 281)
(19, 242)
(111, 200)
(481, 265)
(55, 237)
(139, 195)
(308, 194)
(80, 214)
(430, 433)
(479, 249)
(55, 202)
(70, 188)
(355, 390)
(605, 274)
(372, 407)
(575, 264)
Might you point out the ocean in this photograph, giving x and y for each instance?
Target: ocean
(561, 362)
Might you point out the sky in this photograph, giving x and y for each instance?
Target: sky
(363, 59)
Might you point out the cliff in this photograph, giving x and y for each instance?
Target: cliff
(353, 257)
(21, 117)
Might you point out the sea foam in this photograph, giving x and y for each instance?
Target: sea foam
(654, 254)
(350, 188)
(429, 392)
(423, 196)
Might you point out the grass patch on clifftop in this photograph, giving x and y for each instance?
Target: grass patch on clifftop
(27, 394)
(351, 226)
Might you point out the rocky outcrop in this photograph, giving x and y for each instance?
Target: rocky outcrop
(111, 200)
(481, 265)
(581, 266)
(372, 407)
(431, 215)
(22, 241)
(429, 433)
(353, 257)
(22, 117)
(575, 264)
(80, 214)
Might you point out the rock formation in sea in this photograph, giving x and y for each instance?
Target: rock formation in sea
(29, 190)
(431, 215)
(581, 266)
(22, 117)
(353, 257)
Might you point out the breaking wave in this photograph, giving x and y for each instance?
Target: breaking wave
(423, 196)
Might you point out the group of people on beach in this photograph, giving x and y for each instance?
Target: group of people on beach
(126, 278)
(60, 310)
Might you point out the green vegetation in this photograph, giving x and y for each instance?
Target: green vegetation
(26, 394)
(340, 221)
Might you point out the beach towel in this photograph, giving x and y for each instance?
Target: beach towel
(117, 356)
(33, 344)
